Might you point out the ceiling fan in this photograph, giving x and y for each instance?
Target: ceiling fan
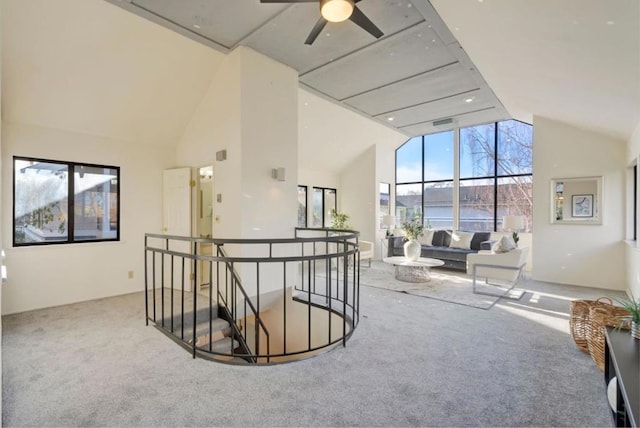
(336, 11)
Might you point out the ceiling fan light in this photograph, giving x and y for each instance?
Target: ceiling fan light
(336, 10)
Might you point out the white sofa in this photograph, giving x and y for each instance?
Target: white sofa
(501, 266)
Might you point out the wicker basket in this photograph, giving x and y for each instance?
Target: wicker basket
(600, 317)
(579, 319)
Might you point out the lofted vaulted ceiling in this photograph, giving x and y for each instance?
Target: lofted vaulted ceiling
(414, 75)
(88, 66)
(574, 61)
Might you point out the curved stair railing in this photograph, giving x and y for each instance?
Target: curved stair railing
(254, 301)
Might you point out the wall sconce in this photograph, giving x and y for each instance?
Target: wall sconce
(277, 174)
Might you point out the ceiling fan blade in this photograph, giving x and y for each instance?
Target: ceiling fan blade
(315, 31)
(365, 23)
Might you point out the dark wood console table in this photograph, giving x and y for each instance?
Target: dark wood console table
(622, 359)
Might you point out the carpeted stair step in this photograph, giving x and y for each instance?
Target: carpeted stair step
(202, 320)
(217, 325)
(220, 345)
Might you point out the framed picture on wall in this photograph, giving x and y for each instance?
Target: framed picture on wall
(582, 205)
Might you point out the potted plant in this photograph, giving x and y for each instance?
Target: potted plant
(633, 307)
(339, 220)
(412, 231)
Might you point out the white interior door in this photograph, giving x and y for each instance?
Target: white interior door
(177, 220)
(177, 202)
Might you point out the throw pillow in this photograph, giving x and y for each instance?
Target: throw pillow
(441, 238)
(427, 238)
(461, 240)
(504, 245)
(478, 239)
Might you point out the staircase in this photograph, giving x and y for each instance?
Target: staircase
(222, 322)
(212, 337)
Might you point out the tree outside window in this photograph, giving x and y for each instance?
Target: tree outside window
(494, 177)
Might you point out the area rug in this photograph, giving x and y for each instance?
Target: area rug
(445, 285)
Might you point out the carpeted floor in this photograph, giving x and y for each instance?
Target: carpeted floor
(412, 362)
(447, 285)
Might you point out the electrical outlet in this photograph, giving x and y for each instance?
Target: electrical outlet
(130, 274)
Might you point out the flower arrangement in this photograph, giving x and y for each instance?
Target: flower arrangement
(414, 228)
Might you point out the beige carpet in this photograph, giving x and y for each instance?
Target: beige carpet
(446, 285)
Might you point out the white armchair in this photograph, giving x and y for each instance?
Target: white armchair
(366, 250)
(501, 266)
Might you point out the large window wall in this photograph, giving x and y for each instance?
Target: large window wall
(467, 179)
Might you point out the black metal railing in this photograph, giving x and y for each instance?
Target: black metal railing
(254, 300)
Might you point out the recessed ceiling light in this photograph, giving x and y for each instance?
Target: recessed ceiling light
(468, 100)
(390, 118)
(196, 26)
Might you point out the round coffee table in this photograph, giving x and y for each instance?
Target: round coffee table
(413, 271)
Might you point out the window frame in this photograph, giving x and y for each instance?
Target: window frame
(323, 209)
(457, 180)
(71, 167)
(306, 204)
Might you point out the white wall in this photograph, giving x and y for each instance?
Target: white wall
(250, 110)
(269, 130)
(632, 249)
(215, 126)
(54, 275)
(385, 173)
(358, 194)
(586, 255)
(317, 178)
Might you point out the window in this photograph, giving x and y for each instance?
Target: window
(385, 192)
(494, 177)
(323, 200)
(437, 206)
(424, 180)
(64, 202)
(302, 206)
